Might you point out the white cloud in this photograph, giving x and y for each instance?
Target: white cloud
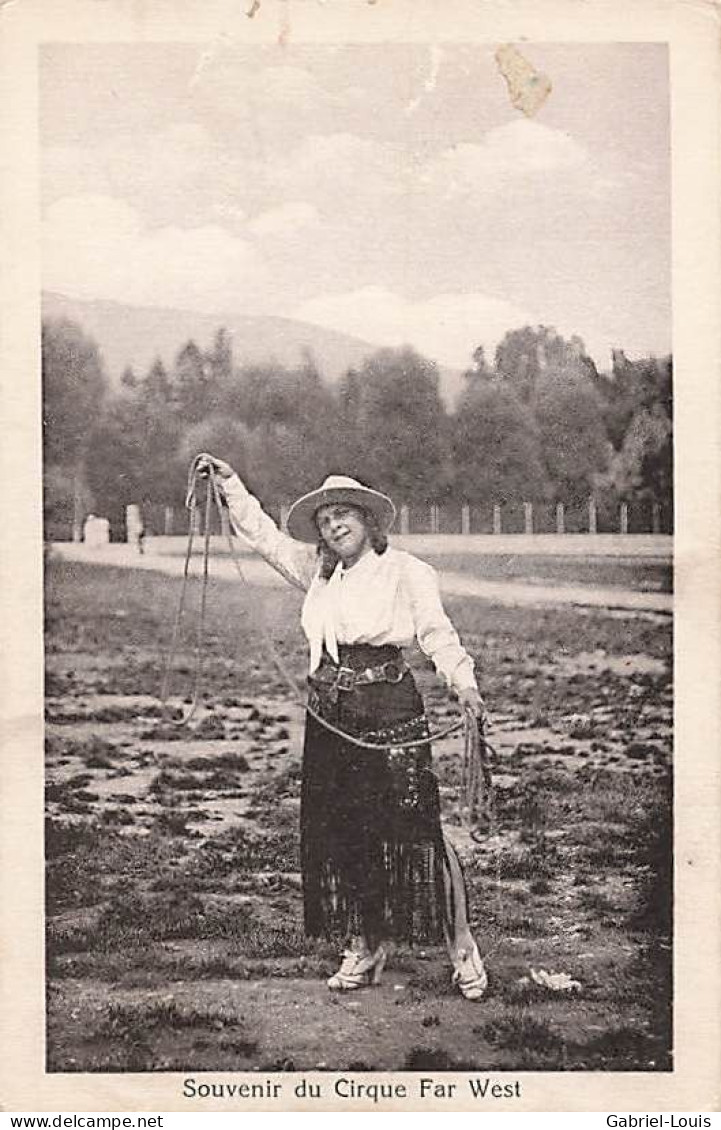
(446, 328)
(84, 221)
(284, 221)
(180, 174)
(508, 153)
(183, 175)
(339, 168)
(99, 247)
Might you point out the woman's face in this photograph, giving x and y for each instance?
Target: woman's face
(343, 529)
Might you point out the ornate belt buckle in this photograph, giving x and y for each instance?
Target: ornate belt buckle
(394, 670)
(345, 679)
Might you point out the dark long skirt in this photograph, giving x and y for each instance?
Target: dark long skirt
(371, 842)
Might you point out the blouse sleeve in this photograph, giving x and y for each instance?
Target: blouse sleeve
(292, 559)
(436, 636)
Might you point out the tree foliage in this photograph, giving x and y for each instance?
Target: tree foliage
(74, 387)
(631, 388)
(392, 424)
(525, 355)
(643, 467)
(495, 446)
(192, 383)
(539, 423)
(116, 460)
(572, 434)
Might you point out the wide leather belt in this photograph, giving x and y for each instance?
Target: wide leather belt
(347, 678)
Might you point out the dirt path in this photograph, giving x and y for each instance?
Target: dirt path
(509, 593)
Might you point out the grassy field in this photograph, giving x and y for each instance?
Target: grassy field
(173, 894)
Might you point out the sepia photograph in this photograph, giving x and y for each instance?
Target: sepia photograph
(358, 524)
(411, 334)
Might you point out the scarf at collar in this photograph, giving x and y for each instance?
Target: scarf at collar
(368, 599)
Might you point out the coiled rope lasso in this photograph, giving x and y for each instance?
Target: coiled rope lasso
(476, 784)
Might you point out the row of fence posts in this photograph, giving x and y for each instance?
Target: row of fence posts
(434, 515)
(528, 527)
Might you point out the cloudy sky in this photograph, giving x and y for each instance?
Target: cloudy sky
(391, 192)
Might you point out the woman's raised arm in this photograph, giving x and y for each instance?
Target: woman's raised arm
(292, 559)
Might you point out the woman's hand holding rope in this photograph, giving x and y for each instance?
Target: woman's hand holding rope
(205, 463)
(471, 702)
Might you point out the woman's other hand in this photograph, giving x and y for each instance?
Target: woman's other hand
(470, 700)
(205, 462)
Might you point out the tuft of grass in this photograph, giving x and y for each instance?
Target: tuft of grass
(522, 1032)
(623, 1048)
(523, 862)
(528, 925)
(434, 1059)
(128, 1021)
(171, 823)
(242, 851)
(229, 762)
(165, 781)
(210, 728)
(117, 816)
(134, 920)
(70, 881)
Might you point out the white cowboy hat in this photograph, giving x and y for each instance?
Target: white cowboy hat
(335, 489)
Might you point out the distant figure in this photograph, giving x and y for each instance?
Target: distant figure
(135, 527)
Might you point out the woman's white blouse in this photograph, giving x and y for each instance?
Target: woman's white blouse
(389, 598)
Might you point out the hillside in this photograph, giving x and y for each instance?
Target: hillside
(136, 335)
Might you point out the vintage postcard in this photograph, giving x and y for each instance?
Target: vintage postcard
(361, 641)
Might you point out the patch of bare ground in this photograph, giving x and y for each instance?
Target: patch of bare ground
(172, 852)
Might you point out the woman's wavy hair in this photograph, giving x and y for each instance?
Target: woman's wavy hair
(376, 536)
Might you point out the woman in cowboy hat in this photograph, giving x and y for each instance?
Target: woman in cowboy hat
(376, 866)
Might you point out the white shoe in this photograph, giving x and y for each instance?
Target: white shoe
(358, 970)
(469, 974)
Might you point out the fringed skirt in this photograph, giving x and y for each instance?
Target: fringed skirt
(371, 842)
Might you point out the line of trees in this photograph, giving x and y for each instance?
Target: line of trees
(538, 424)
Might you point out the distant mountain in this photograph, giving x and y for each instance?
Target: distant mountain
(136, 335)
